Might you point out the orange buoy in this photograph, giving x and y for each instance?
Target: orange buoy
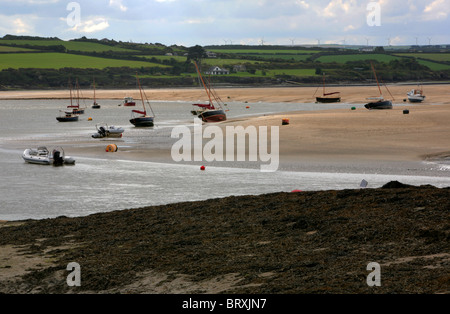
(285, 121)
(111, 148)
(202, 168)
(247, 107)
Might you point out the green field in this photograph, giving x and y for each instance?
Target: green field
(70, 45)
(264, 51)
(356, 57)
(14, 49)
(439, 57)
(434, 66)
(54, 60)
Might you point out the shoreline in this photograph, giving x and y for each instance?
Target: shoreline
(436, 93)
(279, 243)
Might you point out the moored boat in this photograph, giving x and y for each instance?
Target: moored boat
(140, 118)
(95, 105)
(328, 97)
(210, 112)
(379, 102)
(67, 117)
(104, 130)
(416, 95)
(42, 156)
(129, 102)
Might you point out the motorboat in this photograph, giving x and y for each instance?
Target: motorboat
(42, 156)
(416, 95)
(129, 102)
(108, 131)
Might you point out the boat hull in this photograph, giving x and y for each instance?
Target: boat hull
(328, 99)
(213, 116)
(378, 105)
(67, 119)
(416, 98)
(142, 121)
(43, 157)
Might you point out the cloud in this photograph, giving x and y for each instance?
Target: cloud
(437, 10)
(118, 4)
(21, 27)
(92, 25)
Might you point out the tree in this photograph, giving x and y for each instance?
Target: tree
(196, 53)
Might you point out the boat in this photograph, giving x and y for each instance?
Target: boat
(95, 105)
(103, 130)
(67, 116)
(76, 109)
(416, 95)
(42, 156)
(327, 97)
(379, 102)
(139, 118)
(210, 112)
(129, 102)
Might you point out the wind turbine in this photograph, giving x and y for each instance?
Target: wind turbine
(292, 41)
(429, 41)
(367, 39)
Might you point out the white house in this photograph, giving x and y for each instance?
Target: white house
(215, 70)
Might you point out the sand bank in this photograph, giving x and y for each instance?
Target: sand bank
(350, 94)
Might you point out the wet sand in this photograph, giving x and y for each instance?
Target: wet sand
(311, 242)
(438, 93)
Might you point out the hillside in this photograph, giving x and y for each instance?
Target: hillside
(34, 62)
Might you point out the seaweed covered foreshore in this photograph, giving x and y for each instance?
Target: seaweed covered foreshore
(283, 243)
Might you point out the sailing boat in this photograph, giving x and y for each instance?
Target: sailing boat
(76, 108)
(68, 116)
(324, 98)
(95, 105)
(209, 112)
(380, 103)
(142, 119)
(416, 95)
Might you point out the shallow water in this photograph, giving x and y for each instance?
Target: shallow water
(101, 184)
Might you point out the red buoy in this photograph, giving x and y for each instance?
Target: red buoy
(202, 168)
(296, 191)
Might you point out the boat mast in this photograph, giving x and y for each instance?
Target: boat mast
(142, 97)
(70, 89)
(323, 79)
(374, 73)
(206, 89)
(94, 91)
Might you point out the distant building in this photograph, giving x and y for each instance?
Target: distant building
(367, 49)
(215, 70)
(239, 68)
(210, 54)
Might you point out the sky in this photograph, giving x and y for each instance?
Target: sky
(219, 22)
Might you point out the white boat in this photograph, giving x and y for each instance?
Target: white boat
(42, 156)
(104, 130)
(416, 95)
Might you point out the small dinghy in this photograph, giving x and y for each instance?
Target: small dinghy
(42, 156)
(108, 131)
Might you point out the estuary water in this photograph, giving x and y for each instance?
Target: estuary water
(102, 182)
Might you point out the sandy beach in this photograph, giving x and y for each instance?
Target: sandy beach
(341, 138)
(315, 242)
(436, 93)
(332, 135)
